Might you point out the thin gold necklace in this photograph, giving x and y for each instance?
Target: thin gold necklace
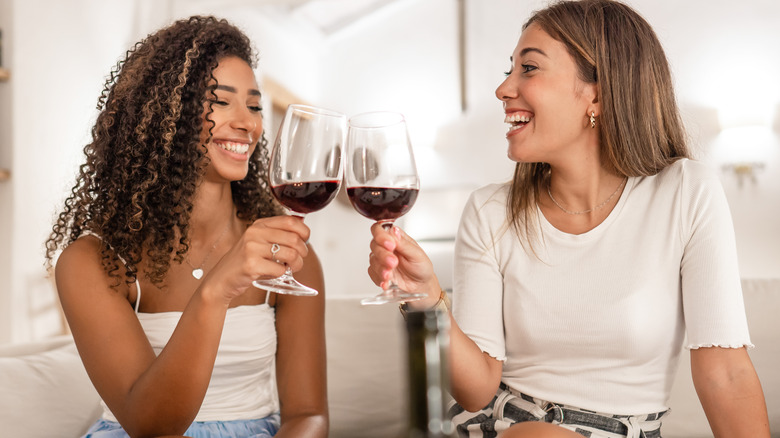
(198, 272)
(590, 209)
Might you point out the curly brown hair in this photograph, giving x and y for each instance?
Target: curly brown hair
(145, 160)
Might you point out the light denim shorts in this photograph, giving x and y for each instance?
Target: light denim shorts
(261, 428)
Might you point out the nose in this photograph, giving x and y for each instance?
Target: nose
(507, 89)
(245, 120)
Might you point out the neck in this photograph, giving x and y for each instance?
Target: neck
(212, 208)
(580, 188)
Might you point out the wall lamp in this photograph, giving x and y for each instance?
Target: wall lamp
(746, 141)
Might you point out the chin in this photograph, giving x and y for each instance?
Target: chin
(231, 175)
(527, 153)
(237, 176)
(519, 157)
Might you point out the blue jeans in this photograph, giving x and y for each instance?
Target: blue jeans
(262, 428)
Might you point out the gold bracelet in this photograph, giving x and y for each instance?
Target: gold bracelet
(443, 305)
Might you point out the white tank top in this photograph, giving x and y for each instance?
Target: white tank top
(243, 382)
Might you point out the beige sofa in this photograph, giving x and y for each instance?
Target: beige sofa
(44, 391)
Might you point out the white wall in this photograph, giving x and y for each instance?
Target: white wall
(60, 52)
(725, 59)
(57, 72)
(6, 161)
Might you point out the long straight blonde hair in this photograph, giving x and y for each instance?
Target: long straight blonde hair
(640, 126)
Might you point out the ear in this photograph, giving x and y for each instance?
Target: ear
(591, 93)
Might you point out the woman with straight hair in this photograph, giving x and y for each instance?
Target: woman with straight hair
(169, 223)
(578, 283)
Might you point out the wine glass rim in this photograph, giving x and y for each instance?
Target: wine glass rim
(310, 109)
(376, 119)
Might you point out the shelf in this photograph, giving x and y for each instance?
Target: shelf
(5, 174)
(281, 97)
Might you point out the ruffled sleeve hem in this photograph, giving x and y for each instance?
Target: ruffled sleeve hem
(747, 345)
(498, 357)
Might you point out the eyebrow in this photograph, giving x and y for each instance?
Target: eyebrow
(533, 49)
(230, 89)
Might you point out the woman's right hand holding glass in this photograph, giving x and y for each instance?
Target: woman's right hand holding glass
(394, 253)
(262, 252)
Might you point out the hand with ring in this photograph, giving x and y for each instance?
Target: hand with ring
(265, 250)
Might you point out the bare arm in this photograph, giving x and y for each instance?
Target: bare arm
(161, 395)
(475, 375)
(300, 357)
(730, 392)
(117, 354)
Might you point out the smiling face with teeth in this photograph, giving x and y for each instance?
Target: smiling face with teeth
(237, 121)
(546, 103)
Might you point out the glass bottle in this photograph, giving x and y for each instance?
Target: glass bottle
(428, 342)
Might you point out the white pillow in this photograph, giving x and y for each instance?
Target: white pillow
(46, 393)
(367, 377)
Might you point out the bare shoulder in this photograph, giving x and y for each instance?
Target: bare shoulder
(79, 270)
(79, 258)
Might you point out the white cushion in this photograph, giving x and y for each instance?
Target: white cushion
(45, 391)
(367, 378)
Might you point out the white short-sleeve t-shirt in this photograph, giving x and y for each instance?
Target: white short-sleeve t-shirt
(597, 320)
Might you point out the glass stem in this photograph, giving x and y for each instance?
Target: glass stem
(287, 269)
(388, 226)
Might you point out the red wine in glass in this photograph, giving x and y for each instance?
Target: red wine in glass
(306, 197)
(382, 203)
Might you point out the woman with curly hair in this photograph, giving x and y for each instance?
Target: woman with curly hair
(168, 224)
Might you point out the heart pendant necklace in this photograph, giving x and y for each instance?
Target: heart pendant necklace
(198, 272)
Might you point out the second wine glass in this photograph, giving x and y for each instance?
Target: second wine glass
(381, 178)
(305, 172)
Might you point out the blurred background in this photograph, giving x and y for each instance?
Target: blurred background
(437, 61)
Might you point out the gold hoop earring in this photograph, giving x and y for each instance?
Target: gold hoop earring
(592, 119)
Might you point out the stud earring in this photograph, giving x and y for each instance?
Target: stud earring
(592, 119)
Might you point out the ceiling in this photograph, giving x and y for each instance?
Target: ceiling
(330, 16)
(324, 16)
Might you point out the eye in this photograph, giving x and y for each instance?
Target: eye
(528, 68)
(507, 73)
(255, 108)
(218, 102)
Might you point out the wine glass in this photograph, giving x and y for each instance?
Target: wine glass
(305, 172)
(381, 178)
